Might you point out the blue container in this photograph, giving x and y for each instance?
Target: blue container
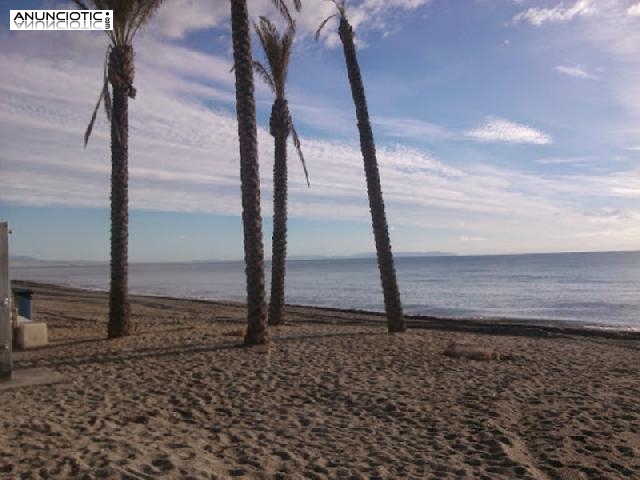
(23, 301)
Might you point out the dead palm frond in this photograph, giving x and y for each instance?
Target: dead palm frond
(104, 97)
(296, 144)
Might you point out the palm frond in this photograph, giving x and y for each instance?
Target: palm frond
(108, 104)
(89, 129)
(323, 23)
(264, 30)
(281, 5)
(284, 47)
(104, 96)
(296, 143)
(264, 74)
(128, 16)
(142, 15)
(277, 51)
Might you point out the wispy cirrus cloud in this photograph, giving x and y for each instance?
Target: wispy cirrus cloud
(575, 71)
(506, 131)
(572, 161)
(557, 14)
(400, 127)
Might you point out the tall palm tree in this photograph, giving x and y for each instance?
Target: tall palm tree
(392, 304)
(128, 17)
(277, 50)
(249, 172)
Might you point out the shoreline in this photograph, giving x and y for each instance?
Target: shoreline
(498, 326)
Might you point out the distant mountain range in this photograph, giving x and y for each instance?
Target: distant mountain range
(14, 259)
(26, 260)
(407, 254)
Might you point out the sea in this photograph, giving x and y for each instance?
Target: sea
(584, 289)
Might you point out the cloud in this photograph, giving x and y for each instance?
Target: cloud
(506, 131)
(184, 154)
(634, 10)
(575, 71)
(573, 161)
(613, 32)
(364, 16)
(557, 14)
(178, 18)
(410, 128)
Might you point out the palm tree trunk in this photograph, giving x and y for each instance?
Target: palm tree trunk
(392, 304)
(280, 130)
(121, 73)
(249, 176)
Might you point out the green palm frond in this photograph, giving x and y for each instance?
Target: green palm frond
(277, 50)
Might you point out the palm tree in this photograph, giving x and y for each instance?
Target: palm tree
(277, 50)
(128, 17)
(249, 172)
(392, 304)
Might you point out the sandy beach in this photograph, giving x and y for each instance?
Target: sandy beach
(333, 397)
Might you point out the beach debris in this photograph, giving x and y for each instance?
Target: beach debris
(471, 352)
(233, 333)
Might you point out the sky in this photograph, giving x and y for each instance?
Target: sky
(501, 126)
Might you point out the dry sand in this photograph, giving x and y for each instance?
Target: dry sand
(333, 397)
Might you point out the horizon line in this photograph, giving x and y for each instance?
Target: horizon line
(320, 257)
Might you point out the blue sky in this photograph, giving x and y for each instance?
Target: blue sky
(502, 126)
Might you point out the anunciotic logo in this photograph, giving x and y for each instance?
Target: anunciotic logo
(61, 20)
